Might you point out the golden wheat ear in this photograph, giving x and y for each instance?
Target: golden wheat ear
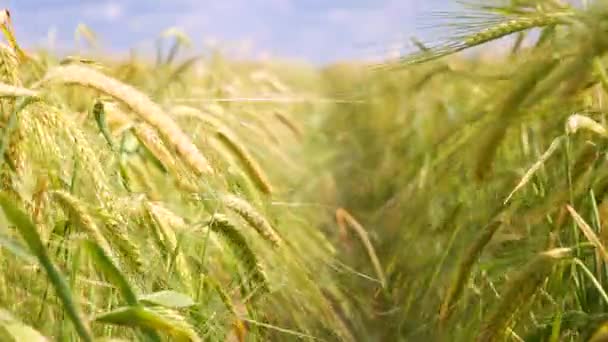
(6, 26)
(138, 103)
(253, 218)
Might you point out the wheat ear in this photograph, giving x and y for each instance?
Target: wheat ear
(253, 218)
(138, 103)
(227, 137)
(344, 216)
(78, 212)
(222, 226)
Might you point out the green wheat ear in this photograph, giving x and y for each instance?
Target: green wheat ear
(493, 31)
(222, 226)
(155, 318)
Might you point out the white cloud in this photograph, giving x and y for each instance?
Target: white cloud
(109, 11)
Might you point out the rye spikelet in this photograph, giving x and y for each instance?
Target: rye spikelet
(222, 226)
(518, 291)
(50, 134)
(138, 103)
(252, 217)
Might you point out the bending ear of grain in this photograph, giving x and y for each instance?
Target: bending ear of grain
(138, 103)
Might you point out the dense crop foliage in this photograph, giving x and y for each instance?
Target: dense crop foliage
(432, 198)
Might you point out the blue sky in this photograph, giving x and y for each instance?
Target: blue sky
(314, 30)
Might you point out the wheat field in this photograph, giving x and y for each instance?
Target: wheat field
(433, 197)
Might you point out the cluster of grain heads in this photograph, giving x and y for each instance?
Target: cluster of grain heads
(115, 227)
(520, 288)
(152, 312)
(12, 135)
(6, 26)
(79, 215)
(136, 102)
(230, 140)
(11, 57)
